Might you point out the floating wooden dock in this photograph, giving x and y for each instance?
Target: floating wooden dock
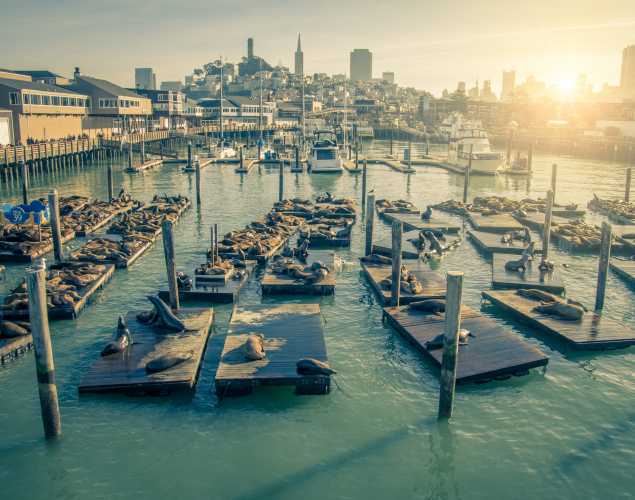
(247, 166)
(490, 243)
(394, 164)
(37, 252)
(625, 269)
(383, 246)
(536, 221)
(273, 284)
(12, 348)
(532, 277)
(144, 166)
(213, 291)
(593, 332)
(202, 164)
(493, 352)
(291, 332)
(125, 372)
(106, 220)
(414, 222)
(500, 223)
(432, 282)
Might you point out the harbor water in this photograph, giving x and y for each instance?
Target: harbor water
(566, 432)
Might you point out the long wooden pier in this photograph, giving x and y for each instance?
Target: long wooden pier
(492, 353)
(291, 332)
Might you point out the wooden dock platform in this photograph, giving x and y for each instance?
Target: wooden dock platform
(383, 246)
(144, 166)
(273, 284)
(532, 278)
(414, 222)
(490, 243)
(433, 283)
(592, 332)
(493, 352)
(36, 252)
(12, 348)
(104, 221)
(203, 163)
(536, 221)
(501, 223)
(247, 166)
(291, 332)
(625, 269)
(125, 372)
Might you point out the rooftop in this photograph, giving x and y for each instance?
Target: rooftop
(107, 87)
(43, 87)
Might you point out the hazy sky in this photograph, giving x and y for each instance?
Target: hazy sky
(429, 45)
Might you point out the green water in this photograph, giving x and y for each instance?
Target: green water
(566, 433)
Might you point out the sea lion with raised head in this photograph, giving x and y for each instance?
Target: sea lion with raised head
(164, 316)
(427, 215)
(254, 347)
(312, 366)
(162, 363)
(519, 265)
(123, 339)
(438, 341)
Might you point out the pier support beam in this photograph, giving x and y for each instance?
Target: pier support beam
(25, 182)
(365, 168)
(54, 211)
(466, 179)
(44, 363)
(370, 218)
(450, 344)
(281, 182)
(110, 181)
(546, 231)
(603, 266)
(170, 264)
(189, 155)
(197, 164)
(395, 287)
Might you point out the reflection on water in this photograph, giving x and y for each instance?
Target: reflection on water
(553, 435)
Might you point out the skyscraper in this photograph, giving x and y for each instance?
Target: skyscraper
(250, 48)
(388, 76)
(628, 70)
(509, 85)
(144, 78)
(361, 65)
(299, 59)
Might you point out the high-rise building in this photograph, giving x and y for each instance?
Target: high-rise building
(361, 65)
(299, 59)
(250, 48)
(628, 70)
(460, 88)
(509, 85)
(388, 76)
(144, 78)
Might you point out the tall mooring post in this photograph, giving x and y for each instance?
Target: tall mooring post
(603, 266)
(370, 216)
(546, 230)
(242, 159)
(395, 286)
(110, 181)
(25, 182)
(170, 264)
(130, 153)
(510, 140)
(297, 158)
(364, 184)
(554, 176)
(189, 155)
(143, 149)
(356, 156)
(466, 179)
(450, 343)
(627, 189)
(44, 363)
(54, 212)
(281, 182)
(197, 165)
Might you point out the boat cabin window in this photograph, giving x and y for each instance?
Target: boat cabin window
(325, 154)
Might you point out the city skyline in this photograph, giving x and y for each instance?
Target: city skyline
(431, 56)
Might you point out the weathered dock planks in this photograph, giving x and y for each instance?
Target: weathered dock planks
(490, 243)
(592, 332)
(414, 222)
(273, 284)
(37, 251)
(409, 250)
(125, 372)
(493, 352)
(433, 283)
(625, 269)
(12, 348)
(500, 223)
(144, 166)
(291, 332)
(532, 277)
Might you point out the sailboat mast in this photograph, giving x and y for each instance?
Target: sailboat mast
(260, 114)
(345, 112)
(221, 99)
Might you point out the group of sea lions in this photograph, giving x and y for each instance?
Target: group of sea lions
(395, 206)
(408, 282)
(523, 236)
(65, 284)
(493, 205)
(554, 305)
(431, 240)
(217, 266)
(325, 206)
(327, 229)
(307, 274)
(92, 213)
(580, 235)
(105, 250)
(620, 208)
(13, 329)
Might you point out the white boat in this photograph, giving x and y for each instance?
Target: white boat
(224, 151)
(474, 142)
(325, 153)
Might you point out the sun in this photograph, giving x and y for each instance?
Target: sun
(566, 86)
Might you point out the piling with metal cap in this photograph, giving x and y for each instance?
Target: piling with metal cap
(170, 264)
(54, 214)
(395, 287)
(603, 265)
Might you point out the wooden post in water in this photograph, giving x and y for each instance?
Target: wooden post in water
(364, 184)
(25, 182)
(143, 149)
(546, 231)
(466, 179)
(554, 175)
(397, 230)
(54, 213)
(110, 181)
(170, 264)
(297, 158)
(603, 267)
(391, 138)
(450, 343)
(530, 157)
(189, 155)
(627, 191)
(198, 181)
(44, 363)
(130, 153)
(281, 182)
(370, 216)
(215, 242)
(356, 156)
(242, 159)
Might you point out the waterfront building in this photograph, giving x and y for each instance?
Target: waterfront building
(145, 79)
(388, 77)
(167, 108)
(40, 111)
(238, 109)
(113, 109)
(175, 86)
(299, 59)
(361, 67)
(6, 127)
(44, 76)
(509, 85)
(627, 81)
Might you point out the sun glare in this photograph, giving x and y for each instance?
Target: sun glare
(566, 86)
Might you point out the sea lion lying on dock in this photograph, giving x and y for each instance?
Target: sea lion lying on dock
(433, 306)
(310, 275)
(11, 329)
(376, 259)
(254, 347)
(312, 366)
(438, 341)
(161, 316)
(564, 310)
(167, 361)
(123, 339)
(519, 265)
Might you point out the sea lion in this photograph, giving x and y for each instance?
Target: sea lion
(434, 306)
(427, 215)
(376, 259)
(10, 329)
(434, 242)
(254, 347)
(183, 281)
(162, 363)
(165, 316)
(565, 311)
(312, 366)
(123, 339)
(529, 251)
(316, 276)
(519, 265)
(438, 341)
(534, 294)
(546, 265)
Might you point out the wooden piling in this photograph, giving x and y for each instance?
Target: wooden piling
(530, 157)
(364, 183)
(603, 266)
(44, 363)
(466, 179)
(54, 214)
(130, 154)
(110, 182)
(554, 175)
(450, 343)
(627, 191)
(297, 158)
(198, 182)
(546, 232)
(356, 156)
(242, 160)
(395, 287)
(25, 182)
(370, 217)
(281, 182)
(215, 242)
(170, 264)
(189, 156)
